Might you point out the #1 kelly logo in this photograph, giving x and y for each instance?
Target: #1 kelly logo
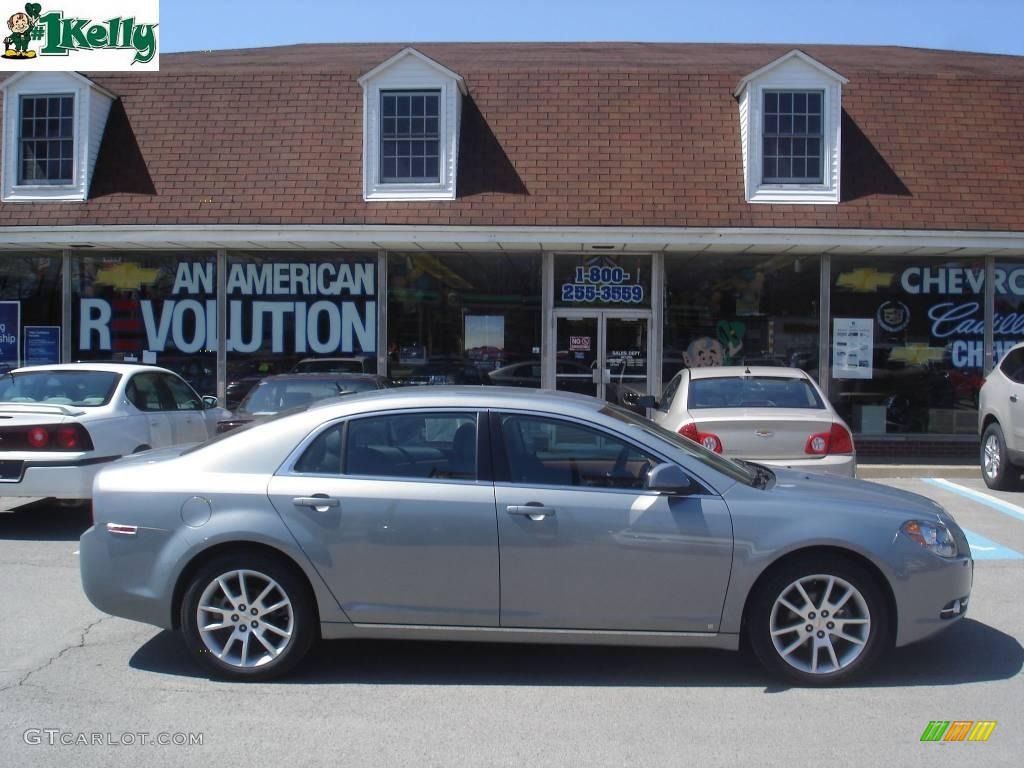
(59, 39)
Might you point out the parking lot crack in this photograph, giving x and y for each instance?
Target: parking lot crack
(79, 643)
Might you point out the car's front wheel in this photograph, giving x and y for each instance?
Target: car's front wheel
(996, 469)
(819, 620)
(248, 616)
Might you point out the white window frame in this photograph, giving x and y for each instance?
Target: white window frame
(44, 84)
(410, 70)
(796, 71)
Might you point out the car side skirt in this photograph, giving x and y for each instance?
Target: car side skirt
(344, 630)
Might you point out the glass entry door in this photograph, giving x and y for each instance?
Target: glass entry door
(601, 353)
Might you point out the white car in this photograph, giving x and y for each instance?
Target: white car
(771, 415)
(60, 423)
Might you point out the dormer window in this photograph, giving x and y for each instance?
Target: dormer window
(53, 124)
(410, 137)
(792, 137)
(47, 141)
(790, 131)
(412, 107)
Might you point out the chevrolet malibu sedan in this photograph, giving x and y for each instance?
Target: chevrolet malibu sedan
(772, 415)
(496, 514)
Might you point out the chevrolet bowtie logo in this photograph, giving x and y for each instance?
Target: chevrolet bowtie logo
(763, 433)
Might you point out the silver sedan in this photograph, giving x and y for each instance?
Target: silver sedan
(493, 514)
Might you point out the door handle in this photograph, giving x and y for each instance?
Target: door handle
(533, 510)
(320, 502)
(1013, 398)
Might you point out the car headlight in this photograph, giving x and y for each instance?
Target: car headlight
(933, 536)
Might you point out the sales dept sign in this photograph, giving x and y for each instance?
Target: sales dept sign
(81, 35)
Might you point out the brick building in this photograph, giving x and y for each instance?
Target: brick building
(580, 216)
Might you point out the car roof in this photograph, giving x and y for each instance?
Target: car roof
(727, 371)
(322, 376)
(106, 367)
(333, 359)
(464, 397)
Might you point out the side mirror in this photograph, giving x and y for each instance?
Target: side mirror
(668, 478)
(209, 401)
(636, 400)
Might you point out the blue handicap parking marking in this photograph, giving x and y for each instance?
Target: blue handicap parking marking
(982, 498)
(986, 549)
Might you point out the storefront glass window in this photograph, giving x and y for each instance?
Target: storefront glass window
(907, 339)
(305, 311)
(149, 307)
(740, 310)
(1008, 320)
(464, 318)
(30, 309)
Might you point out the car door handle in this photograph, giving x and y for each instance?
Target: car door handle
(320, 502)
(532, 511)
(1013, 398)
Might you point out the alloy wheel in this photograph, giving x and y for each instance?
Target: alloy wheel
(820, 624)
(993, 457)
(245, 618)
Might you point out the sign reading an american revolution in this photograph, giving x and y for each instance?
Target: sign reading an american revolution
(296, 307)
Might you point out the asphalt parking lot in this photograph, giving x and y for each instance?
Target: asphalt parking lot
(68, 672)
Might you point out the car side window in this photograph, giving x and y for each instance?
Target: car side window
(144, 393)
(323, 456)
(543, 451)
(1013, 366)
(670, 392)
(183, 398)
(413, 445)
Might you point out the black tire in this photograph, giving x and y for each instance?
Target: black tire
(1004, 475)
(304, 620)
(876, 636)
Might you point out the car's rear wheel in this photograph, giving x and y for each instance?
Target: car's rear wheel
(819, 621)
(248, 616)
(996, 469)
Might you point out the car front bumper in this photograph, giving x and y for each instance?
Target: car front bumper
(932, 594)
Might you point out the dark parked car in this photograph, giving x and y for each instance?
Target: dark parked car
(293, 390)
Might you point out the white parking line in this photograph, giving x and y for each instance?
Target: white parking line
(982, 498)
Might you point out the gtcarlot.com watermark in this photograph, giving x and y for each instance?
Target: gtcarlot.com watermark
(55, 737)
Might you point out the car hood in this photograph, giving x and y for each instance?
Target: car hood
(805, 487)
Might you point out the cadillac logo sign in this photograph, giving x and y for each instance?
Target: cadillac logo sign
(893, 316)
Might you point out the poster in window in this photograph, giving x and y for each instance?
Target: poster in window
(10, 335)
(852, 347)
(42, 344)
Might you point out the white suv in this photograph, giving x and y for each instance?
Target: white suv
(1001, 422)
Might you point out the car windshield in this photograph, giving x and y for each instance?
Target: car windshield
(277, 396)
(328, 366)
(741, 473)
(752, 392)
(86, 389)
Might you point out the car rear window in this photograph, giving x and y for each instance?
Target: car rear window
(84, 389)
(752, 392)
(277, 396)
(328, 366)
